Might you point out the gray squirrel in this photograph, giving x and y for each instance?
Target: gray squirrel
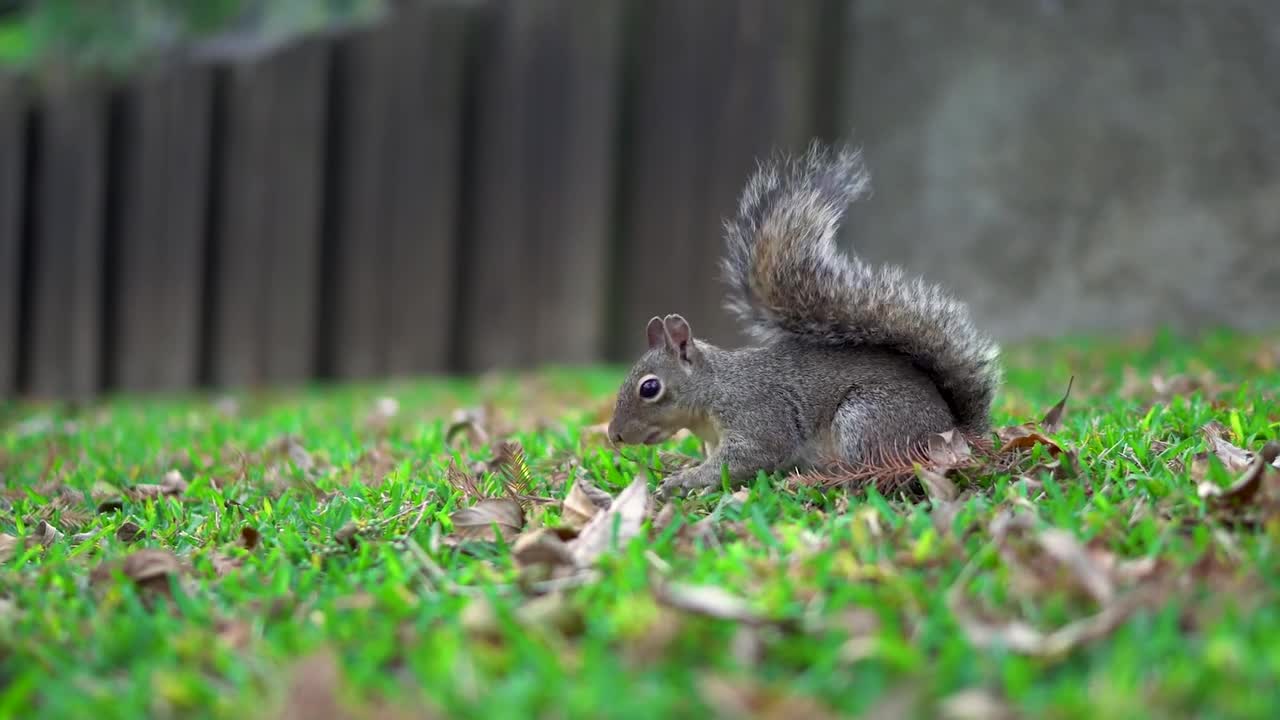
(851, 362)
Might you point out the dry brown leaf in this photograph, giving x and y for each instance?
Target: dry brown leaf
(664, 518)
(149, 569)
(708, 601)
(235, 634)
(472, 421)
(949, 450)
(975, 704)
(312, 693)
(375, 464)
(129, 532)
(543, 547)
(8, 547)
(1246, 488)
(489, 519)
(1235, 459)
(348, 534)
(1021, 637)
(1063, 547)
(744, 698)
(1052, 420)
(1029, 434)
(1021, 437)
(582, 503)
(249, 537)
(939, 487)
(171, 485)
(1164, 388)
(45, 533)
(628, 511)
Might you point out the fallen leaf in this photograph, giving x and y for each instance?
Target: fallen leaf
(375, 464)
(542, 547)
(235, 634)
(708, 601)
(1235, 459)
(45, 533)
(1021, 637)
(473, 422)
(949, 450)
(348, 535)
(1052, 420)
(249, 537)
(1020, 437)
(489, 519)
(939, 487)
(129, 532)
(1063, 547)
(975, 704)
(582, 503)
(1243, 490)
(171, 485)
(8, 546)
(224, 565)
(552, 611)
(628, 511)
(744, 698)
(149, 569)
(312, 693)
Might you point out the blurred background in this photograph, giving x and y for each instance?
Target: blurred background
(237, 193)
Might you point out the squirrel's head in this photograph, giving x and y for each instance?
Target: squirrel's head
(649, 408)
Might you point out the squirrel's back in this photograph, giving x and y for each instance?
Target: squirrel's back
(787, 278)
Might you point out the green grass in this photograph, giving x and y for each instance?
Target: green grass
(119, 35)
(851, 588)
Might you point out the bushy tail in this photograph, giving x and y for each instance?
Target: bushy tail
(787, 277)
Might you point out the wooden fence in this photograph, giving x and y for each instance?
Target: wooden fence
(463, 186)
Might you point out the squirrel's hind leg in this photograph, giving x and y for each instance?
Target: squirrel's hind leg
(875, 430)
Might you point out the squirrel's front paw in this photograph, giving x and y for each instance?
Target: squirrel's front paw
(682, 482)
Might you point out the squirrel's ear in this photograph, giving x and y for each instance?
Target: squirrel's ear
(657, 336)
(680, 336)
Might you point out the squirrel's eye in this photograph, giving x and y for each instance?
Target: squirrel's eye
(650, 388)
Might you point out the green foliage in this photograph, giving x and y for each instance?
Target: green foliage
(116, 34)
(846, 594)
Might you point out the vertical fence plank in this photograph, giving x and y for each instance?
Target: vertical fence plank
(299, 77)
(575, 62)
(493, 315)
(534, 278)
(756, 98)
(716, 86)
(13, 145)
(656, 272)
(395, 193)
(163, 132)
(241, 228)
(66, 315)
(267, 238)
(363, 75)
(423, 168)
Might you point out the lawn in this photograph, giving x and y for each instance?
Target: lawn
(475, 549)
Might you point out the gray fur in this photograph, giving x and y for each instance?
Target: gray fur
(853, 361)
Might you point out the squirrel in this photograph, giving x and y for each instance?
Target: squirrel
(850, 361)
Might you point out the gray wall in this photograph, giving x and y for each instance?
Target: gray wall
(1074, 166)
